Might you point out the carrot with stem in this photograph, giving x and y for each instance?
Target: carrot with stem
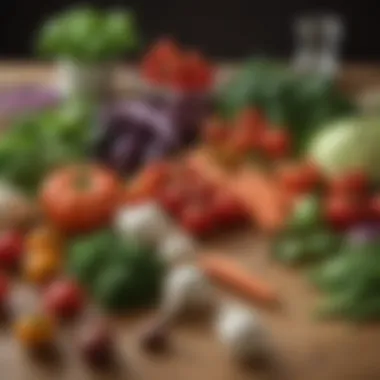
(231, 275)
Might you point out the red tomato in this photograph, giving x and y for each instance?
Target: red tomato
(197, 219)
(355, 183)
(299, 179)
(11, 249)
(4, 288)
(64, 299)
(276, 143)
(374, 207)
(226, 209)
(342, 212)
(214, 130)
(172, 197)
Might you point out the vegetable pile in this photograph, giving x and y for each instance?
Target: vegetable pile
(301, 103)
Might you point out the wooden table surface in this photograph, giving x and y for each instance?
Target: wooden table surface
(303, 349)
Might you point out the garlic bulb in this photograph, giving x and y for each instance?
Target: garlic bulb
(177, 246)
(240, 329)
(186, 290)
(145, 222)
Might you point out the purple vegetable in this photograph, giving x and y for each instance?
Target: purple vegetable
(135, 132)
(363, 233)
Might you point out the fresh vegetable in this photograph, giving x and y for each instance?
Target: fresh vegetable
(96, 343)
(48, 139)
(4, 290)
(11, 249)
(177, 246)
(351, 282)
(241, 330)
(197, 220)
(228, 273)
(89, 35)
(269, 206)
(80, 198)
(34, 331)
(64, 299)
(145, 222)
(276, 143)
(345, 146)
(306, 214)
(307, 246)
(186, 290)
(363, 233)
(168, 65)
(41, 266)
(44, 238)
(120, 274)
(353, 184)
(300, 102)
(131, 134)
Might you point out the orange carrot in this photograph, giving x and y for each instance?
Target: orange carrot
(204, 165)
(229, 274)
(262, 197)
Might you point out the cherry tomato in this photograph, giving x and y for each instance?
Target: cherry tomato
(227, 210)
(11, 249)
(342, 212)
(64, 299)
(276, 143)
(197, 219)
(299, 179)
(172, 197)
(355, 183)
(4, 288)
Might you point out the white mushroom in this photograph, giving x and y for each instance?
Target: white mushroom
(145, 222)
(241, 330)
(186, 290)
(177, 246)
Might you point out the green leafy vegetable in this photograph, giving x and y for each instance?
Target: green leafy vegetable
(38, 143)
(299, 102)
(120, 275)
(89, 35)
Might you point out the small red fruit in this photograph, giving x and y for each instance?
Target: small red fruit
(172, 197)
(341, 212)
(227, 210)
(196, 219)
(64, 299)
(355, 183)
(11, 249)
(276, 143)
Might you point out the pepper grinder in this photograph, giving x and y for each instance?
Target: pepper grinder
(318, 39)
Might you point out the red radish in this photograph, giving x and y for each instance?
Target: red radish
(64, 299)
(276, 143)
(341, 212)
(11, 249)
(355, 183)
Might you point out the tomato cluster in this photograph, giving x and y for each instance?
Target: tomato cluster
(166, 64)
(249, 132)
(200, 207)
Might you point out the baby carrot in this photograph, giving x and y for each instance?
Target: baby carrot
(229, 274)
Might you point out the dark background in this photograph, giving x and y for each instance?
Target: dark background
(229, 29)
